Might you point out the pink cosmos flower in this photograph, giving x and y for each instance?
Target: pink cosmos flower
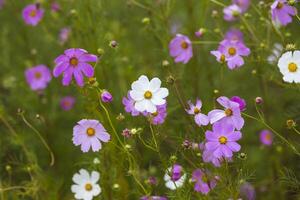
(128, 102)
(38, 77)
(64, 35)
(208, 156)
(67, 103)
(55, 7)
(232, 12)
(32, 14)
(234, 35)
(74, 62)
(195, 110)
(88, 133)
(240, 101)
(266, 137)
(159, 116)
(282, 12)
(203, 183)
(180, 48)
(247, 191)
(243, 4)
(230, 115)
(222, 140)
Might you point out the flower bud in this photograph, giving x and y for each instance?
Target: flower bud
(8, 168)
(170, 80)
(290, 123)
(146, 20)
(116, 186)
(200, 32)
(242, 156)
(106, 97)
(165, 63)
(120, 117)
(100, 51)
(113, 44)
(259, 100)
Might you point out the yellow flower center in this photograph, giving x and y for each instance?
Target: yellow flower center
(154, 114)
(222, 58)
(204, 179)
(279, 5)
(37, 75)
(32, 13)
(268, 137)
(184, 45)
(148, 95)
(197, 111)
(228, 112)
(74, 61)
(90, 131)
(232, 51)
(292, 67)
(222, 140)
(88, 187)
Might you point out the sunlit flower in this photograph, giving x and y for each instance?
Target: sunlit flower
(232, 12)
(230, 115)
(222, 140)
(74, 62)
(128, 103)
(282, 12)
(38, 77)
(203, 182)
(174, 177)
(289, 66)
(32, 14)
(67, 103)
(88, 133)
(199, 117)
(266, 137)
(148, 94)
(180, 48)
(86, 187)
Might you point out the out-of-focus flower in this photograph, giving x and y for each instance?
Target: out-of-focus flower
(88, 133)
(126, 133)
(222, 140)
(74, 62)
(247, 191)
(240, 101)
(152, 180)
(32, 14)
(159, 116)
(289, 66)
(128, 103)
(55, 7)
(195, 110)
(153, 198)
(106, 97)
(174, 177)
(180, 48)
(266, 137)
(243, 4)
(282, 12)
(232, 12)
(38, 77)
(203, 183)
(200, 32)
(234, 35)
(230, 115)
(67, 103)
(86, 186)
(148, 94)
(275, 54)
(2, 3)
(64, 35)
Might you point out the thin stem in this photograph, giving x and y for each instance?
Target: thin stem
(296, 130)
(40, 137)
(218, 3)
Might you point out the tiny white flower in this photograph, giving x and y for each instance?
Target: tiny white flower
(86, 186)
(148, 94)
(289, 66)
(173, 185)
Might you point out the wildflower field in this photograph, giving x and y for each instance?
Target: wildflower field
(149, 99)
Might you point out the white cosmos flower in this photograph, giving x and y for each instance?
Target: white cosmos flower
(148, 94)
(86, 186)
(173, 185)
(289, 66)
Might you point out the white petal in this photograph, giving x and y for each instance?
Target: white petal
(96, 190)
(84, 174)
(154, 84)
(296, 56)
(137, 95)
(140, 105)
(171, 185)
(77, 178)
(288, 78)
(150, 107)
(162, 93)
(75, 188)
(95, 176)
(144, 81)
(158, 101)
(136, 85)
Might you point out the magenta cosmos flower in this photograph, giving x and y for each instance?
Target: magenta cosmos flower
(222, 140)
(74, 62)
(232, 12)
(159, 116)
(230, 115)
(67, 103)
(282, 12)
(32, 14)
(195, 110)
(88, 133)
(180, 48)
(128, 103)
(240, 101)
(38, 77)
(266, 137)
(203, 183)
(106, 96)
